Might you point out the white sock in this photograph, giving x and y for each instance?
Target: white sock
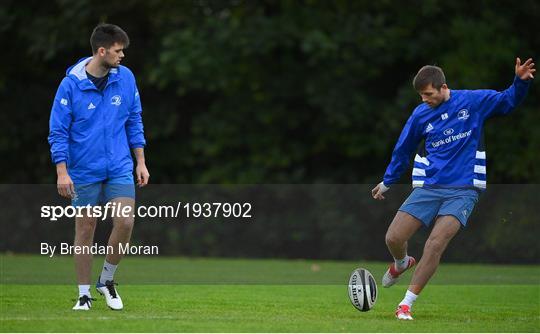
(402, 264)
(84, 289)
(107, 273)
(409, 299)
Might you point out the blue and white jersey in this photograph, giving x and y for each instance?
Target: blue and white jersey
(453, 154)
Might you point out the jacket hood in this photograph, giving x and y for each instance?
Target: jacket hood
(77, 73)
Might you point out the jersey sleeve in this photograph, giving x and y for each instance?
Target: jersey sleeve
(60, 123)
(492, 103)
(406, 145)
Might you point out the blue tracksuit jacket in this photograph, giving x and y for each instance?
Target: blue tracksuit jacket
(93, 131)
(453, 154)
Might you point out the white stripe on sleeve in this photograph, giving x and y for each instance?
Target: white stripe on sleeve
(479, 183)
(481, 155)
(418, 172)
(480, 169)
(421, 160)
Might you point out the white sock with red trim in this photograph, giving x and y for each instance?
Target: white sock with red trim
(409, 299)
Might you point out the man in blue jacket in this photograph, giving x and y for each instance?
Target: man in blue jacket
(95, 122)
(448, 172)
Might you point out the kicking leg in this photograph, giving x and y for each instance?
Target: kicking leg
(401, 229)
(399, 232)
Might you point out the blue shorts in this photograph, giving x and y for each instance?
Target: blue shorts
(102, 192)
(426, 204)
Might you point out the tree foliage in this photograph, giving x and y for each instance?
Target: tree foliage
(271, 91)
(275, 91)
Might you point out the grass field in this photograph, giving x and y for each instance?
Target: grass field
(222, 295)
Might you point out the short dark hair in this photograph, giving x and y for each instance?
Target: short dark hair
(105, 35)
(429, 74)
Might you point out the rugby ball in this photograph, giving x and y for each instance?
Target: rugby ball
(362, 290)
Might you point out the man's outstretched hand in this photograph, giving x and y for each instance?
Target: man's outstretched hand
(525, 71)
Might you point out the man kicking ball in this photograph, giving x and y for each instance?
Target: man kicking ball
(449, 170)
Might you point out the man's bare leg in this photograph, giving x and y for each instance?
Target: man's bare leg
(399, 232)
(84, 236)
(446, 227)
(122, 228)
(120, 235)
(444, 230)
(401, 229)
